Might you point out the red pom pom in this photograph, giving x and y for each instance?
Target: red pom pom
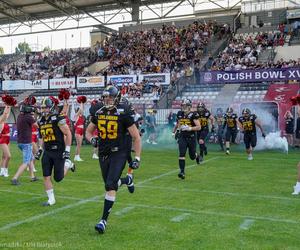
(9, 100)
(81, 99)
(64, 94)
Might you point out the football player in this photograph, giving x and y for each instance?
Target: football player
(113, 120)
(186, 127)
(56, 155)
(219, 118)
(204, 118)
(230, 123)
(247, 124)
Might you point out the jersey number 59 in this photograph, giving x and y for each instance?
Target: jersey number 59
(108, 129)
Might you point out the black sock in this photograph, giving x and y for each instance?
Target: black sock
(202, 147)
(181, 165)
(125, 180)
(108, 203)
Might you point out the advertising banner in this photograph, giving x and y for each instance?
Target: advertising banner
(119, 80)
(90, 82)
(24, 84)
(60, 83)
(163, 78)
(257, 75)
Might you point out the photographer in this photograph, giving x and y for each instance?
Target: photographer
(25, 122)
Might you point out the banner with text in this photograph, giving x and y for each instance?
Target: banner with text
(90, 82)
(24, 84)
(257, 75)
(163, 78)
(119, 80)
(60, 83)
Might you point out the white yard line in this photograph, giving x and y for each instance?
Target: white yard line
(54, 211)
(222, 214)
(180, 217)
(247, 223)
(175, 171)
(222, 193)
(123, 211)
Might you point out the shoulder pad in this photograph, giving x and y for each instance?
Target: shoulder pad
(94, 108)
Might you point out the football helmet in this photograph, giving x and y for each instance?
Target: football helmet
(47, 106)
(111, 97)
(186, 105)
(229, 111)
(201, 107)
(246, 112)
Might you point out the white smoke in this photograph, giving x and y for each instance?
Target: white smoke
(273, 141)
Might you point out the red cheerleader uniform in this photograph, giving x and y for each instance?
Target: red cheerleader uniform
(34, 134)
(5, 134)
(79, 125)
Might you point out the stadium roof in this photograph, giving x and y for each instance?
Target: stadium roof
(52, 14)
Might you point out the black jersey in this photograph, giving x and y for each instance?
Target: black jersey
(203, 119)
(112, 127)
(187, 119)
(50, 132)
(248, 124)
(230, 121)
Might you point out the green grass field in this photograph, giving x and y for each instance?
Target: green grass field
(225, 203)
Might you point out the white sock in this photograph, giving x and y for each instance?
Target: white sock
(5, 171)
(2, 171)
(50, 194)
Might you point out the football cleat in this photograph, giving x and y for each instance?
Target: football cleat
(181, 175)
(227, 152)
(130, 185)
(296, 190)
(34, 179)
(15, 182)
(48, 203)
(100, 227)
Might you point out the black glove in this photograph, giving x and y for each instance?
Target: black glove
(66, 155)
(135, 164)
(263, 135)
(94, 142)
(38, 154)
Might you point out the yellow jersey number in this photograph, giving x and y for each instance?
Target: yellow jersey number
(248, 126)
(108, 129)
(48, 134)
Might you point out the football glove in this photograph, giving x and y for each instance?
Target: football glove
(94, 142)
(135, 164)
(66, 155)
(38, 154)
(185, 128)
